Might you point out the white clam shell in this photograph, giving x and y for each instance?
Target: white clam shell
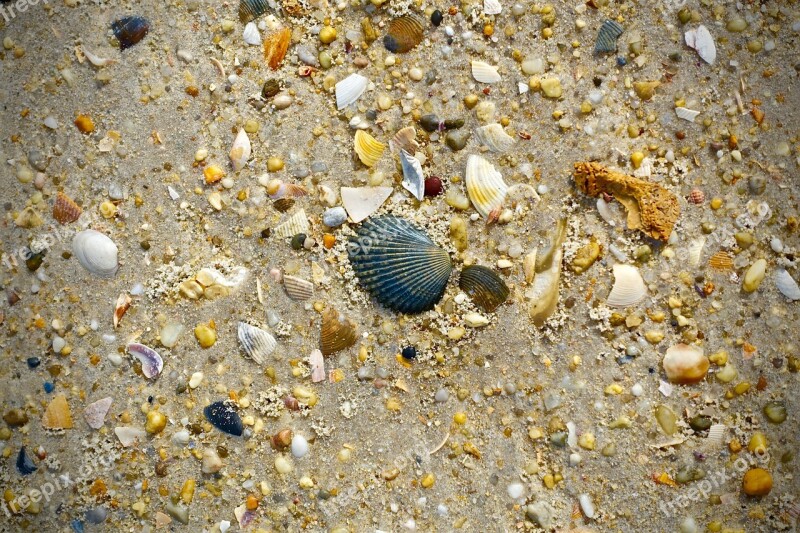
(361, 202)
(96, 252)
(629, 288)
(298, 289)
(256, 343)
(241, 150)
(297, 223)
(485, 186)
(702, 41)
(413, 179)
(696, 251)
(495, 138)
(686, 114)
(787, 285)
(350, 89)
(484, 72)
(251, 34)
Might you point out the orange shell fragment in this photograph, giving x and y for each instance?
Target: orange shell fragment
(57, 415)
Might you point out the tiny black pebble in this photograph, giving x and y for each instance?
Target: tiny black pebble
(409, 352)
(598, 81)
(298, 240)
(33, 362)
(265, 233)
(436, 17)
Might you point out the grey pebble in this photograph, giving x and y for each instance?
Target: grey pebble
(334, 217)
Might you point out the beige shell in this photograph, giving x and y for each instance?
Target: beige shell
(317, 363)
(629, 288)
(123, 303)
(240, 151)
(721, 260)
(715, 434)
(336, 333)
(495, 138)
(686, 114)
(65, 210)
(57, 415)
(28, 218)
(275, 46)
(277, 189)
(696, 251)
(361, 202)
(298, 289)
(368, 148)
(297, 223)
(484, 72)
(405, 139)
(685, 364)
(485, 185)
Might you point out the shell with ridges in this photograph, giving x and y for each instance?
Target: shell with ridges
(361, 202)
(298, 289)
(350, 89)
(57, 415)
(405, 139)
(484, 72)
(152, 364)
(241, 150)
(256, 343)
(413, 178)
(495, 138)
(629, 288)
(275, 46)
(96, 253)
(251, 9)
(297, 223)
(404, 33)
(485, 185)
(65, 210)
(696, 251)
(721, 260)
(607, 37)
(686, 114)
(399, 264)
(486, 288)
(787, 285)
(368, 149)
(337, 332)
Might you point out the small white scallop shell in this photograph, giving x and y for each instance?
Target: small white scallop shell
(686, 114)
(715, 434)
(484, 72)
(251, 34)
(787, 285)
(493, 136)
(298, 289)
(696, 251)
(702, 41)
(350, 89)
(629, 288)
(297, 223)
(96, 252)
(152, 364)
(405, 139)
(413, 179)
(256, 343)
(240, 151)
(485, 185)
(361, 202)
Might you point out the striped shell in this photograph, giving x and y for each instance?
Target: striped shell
(252, 9)
(298, 289)
(715, 434)
(404, 34)
(405, 139)
(256, 343)
(607, 37)
(65, 210)
(368, 149)
(696, 196)
(399, 264)
(361, 202)
(686, 114)
(413, 178)
(787, 285)
(275, 46)
(484, 72)
(629, 288)
(485, 185)
(495, 138)
(484, 286)
(350, 89)
(297, 223)
(337, 332)
(721, 260)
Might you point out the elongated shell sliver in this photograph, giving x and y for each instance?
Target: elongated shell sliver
(152, 364)
(256, 343)
(413, 179)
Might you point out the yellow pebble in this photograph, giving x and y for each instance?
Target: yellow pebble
(156, 422)
(275, 164)
(757, 482)
(758, 443)
(719, 358)
(327, 35)
(716, 203)
(613, 389)
(460, 418)
(108, 209)
(213, 173)
(205, 335)
(636, 159)
(187, 491)
(428, 480)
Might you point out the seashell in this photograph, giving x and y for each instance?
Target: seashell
(787, 285)
(350, 89)
(25, 465)
(275, 46)
(685, 364)
(702, 41)
(95, 413)
(492, 7)
(251, 35)
(298, 289)
(96, 253)
(721, 260)
(696, 251)
(607, 37)
(547, 267)
(493, 136)
(123, 303)
(686, 114)
(485, 185)
(405, 139)
(336, 334)
(404, 33)
(629, 288)
(57, 415)
(95, 59)
(361, 202)
(399, 264)
(715, 434)
(224, 417)
(130, 30)
(413, 178)
(28, 218)
(484, 286)
(241, 150)
(696, 196)
(152, 364)
(283, 204)
(65, 210)
(256, 343)
(368, 148)
(297, 223)
(128, 436)
(252, 9)
(484, 72)
(317, 363)
(279, 189)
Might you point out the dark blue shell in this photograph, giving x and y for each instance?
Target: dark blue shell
(607, 37)
(399, 264)
(252, 9)
(130, 30)
(25, 463)
(225, 418)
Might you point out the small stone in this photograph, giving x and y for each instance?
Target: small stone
(775, 412)
(754, 276)
(685, 364)
(156, 422)
(515, 490)
(334, 217)
(757, 482)
(283, 465)
(212, 463)
(457, 140)
(551, 87)
(195, 380)
(299, 446)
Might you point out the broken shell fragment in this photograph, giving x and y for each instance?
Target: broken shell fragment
(701, 40)
(128, 436)
(65, 210)
(495, 138)
(413, 178)
(685, 364)
(152, 364)
(607, 37)
(240, 151)
(224, 417)
(96, 253)
(404, 33)
(485, 185)
(277, 189)
(350, 89)
(95, 413)
(686, 114)
(123, 303)
(486, 288)
(368, 149)
(252, 9)
(297, 223)
(361, 202)
(337, 332)
(256, 343)
(57, 415)
(276, 45)
(787, 285)
(721, 261)
(629, 288)
(544, 290)
(298, 289)
(28, 218)
(317, 363)
(405, 139)
(484, 72)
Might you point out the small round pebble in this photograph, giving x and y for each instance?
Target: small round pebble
(334, 217)
(299, 446)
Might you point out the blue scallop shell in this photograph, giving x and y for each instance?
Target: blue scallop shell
(607, 37)
(130, 30)
(399, 264)
(225, 418)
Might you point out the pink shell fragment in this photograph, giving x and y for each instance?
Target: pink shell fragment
(95, 413)
(152, 364)
(317, 363)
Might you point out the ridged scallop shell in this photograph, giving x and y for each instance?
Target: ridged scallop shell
(405, 139)
(404, 33)
(256, 343)
(786, 284)
(241, 150)
(65, 210)
(297, 223)
(696, 251)
(368, 148)
(495, 138)
(715, 434)
(298, 289)
(58, 414)
(361, 202)
(399, 264)
(607, 37)
(485, 185)
(486, 288)
(96, 253)
(280, 189)
(721, 260)
(413, 178)
(702, 41)
(350, 89)
(337, 332)
(275, 46)
(152, 364)
(686, 114)
(251, 9)
(629, 288)
(484, 72)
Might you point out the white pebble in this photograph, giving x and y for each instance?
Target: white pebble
(595, 97)
(58, 344)
(181, 437)
(195, 380)
(689, 525)
(415, 74)
(542, 189)
(637, 390)
(586, 505)
(574, 459)
(299, 446)
(115, 358)
(776, 244)
(51, 122)
(283, 465)
(769, 46)
(515, 490)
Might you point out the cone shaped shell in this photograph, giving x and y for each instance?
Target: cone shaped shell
(350, 89)
(256, 343)
(240, 151)
(485, 185)
(413, 178)
(368, 149)
(96, 253)
(298, 289)
(152, 364)
(337, 332)
(361, 202)
(607, 37)
(399, 264)
(252, 9)
(495, 138)
(297, 223)
(484, 72)
(404, 33)
(57, 415)
(484, 286)
(65, 210)
(629, 288)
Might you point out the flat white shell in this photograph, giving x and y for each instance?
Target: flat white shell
(317, 363)
(492, 7)
(484, 72)
(686, 114)
(495, 138)
(297, 223)
(251, 35)
(485, 186)
(413, 179)
(361, 202)
(350, 89)
(702, 41)
(696, 251)
(787, 285)
(629, 288)
(129, 435)
(96, 252)
(298, 289)
(256, 343)
(241, 150)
